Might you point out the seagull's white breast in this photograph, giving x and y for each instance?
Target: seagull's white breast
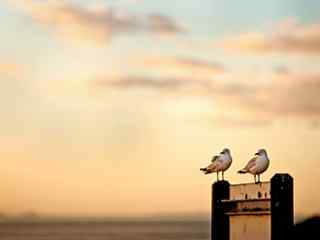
(225, 160)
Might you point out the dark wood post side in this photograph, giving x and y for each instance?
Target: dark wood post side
(281, 206)
(219, 220)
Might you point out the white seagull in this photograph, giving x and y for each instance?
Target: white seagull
(257, 165)
(219, 163)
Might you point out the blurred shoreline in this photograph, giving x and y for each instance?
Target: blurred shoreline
(35, 218)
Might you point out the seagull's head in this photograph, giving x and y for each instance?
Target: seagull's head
(225, 151)
(261, 152)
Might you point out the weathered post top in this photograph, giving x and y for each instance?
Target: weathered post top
(261, 211)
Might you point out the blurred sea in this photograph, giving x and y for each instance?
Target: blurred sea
(119, 230)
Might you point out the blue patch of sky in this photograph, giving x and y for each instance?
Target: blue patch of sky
(22, 39)
(205, 19)
(220, 16)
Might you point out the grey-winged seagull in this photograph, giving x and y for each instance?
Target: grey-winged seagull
(257, 165)
(219, 163)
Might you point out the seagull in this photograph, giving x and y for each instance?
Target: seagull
(219, 163)
(257, 165)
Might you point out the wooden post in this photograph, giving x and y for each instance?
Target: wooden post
(281, 206)
(219, 220)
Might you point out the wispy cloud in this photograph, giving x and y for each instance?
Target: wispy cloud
(298, 95)
(289, 93)
(182, 66)
(288, 37)
(93, 25)
(294, 94)
(236, 121)
(165, 73)
(152, 83)
(163, 25)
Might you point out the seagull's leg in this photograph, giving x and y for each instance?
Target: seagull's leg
(222, 175)
(217, 176)
(258, 178)
(255, 180)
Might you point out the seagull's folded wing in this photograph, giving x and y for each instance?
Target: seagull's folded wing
(251, 163)
(213, 167)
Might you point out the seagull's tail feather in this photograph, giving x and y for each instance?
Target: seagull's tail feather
(203, 169)
(242, 171)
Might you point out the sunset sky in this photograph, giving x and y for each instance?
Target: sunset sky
(110, 107)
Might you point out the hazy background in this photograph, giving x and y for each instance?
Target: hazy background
(109, 108)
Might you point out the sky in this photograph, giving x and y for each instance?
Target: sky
(109, 108)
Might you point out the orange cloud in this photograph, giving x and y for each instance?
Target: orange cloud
(93, 25)
(9, 69)
(295, 94)
(289, 37)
